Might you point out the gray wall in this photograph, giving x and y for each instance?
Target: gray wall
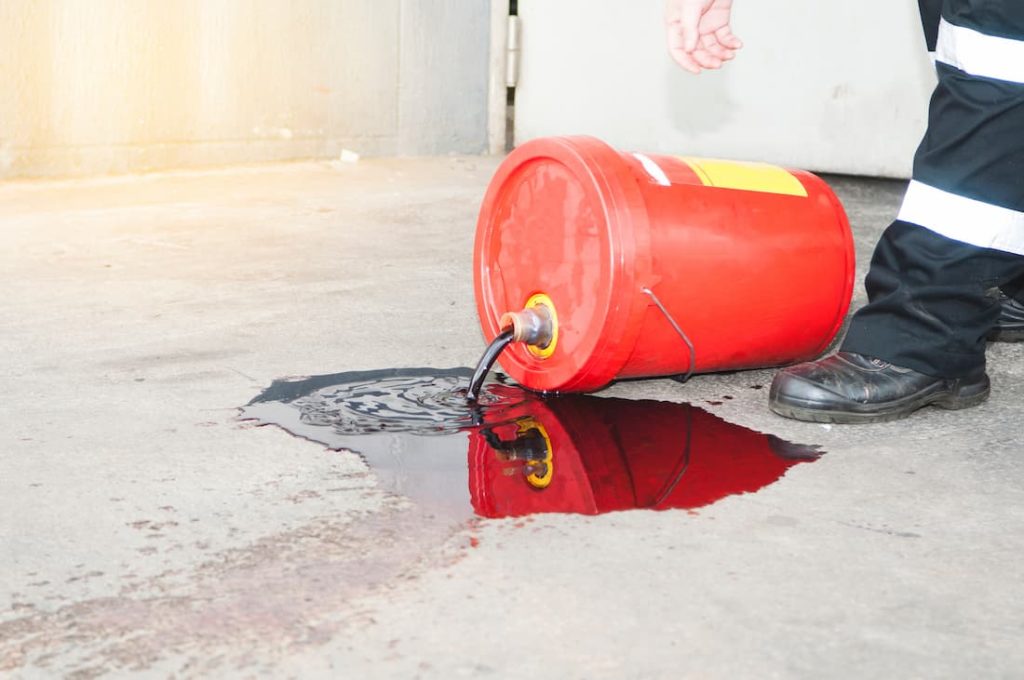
(109, 86)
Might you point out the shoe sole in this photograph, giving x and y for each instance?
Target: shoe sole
(965, 397)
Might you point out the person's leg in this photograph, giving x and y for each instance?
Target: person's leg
(1009, 326)
(931, 15)
(932, 302)
(933, 287)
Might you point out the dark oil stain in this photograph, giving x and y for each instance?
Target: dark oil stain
(757, 387)
(714, 403)
(513, 452)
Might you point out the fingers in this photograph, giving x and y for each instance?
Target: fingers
(711, 57)
(689, 24)
(694, 41)
(706, 59)
(725, 36)
(710, 44)
(685, 60)
(681, 55)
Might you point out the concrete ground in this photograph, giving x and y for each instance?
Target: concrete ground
(145, 530)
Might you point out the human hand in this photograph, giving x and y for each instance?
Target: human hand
(699, 36)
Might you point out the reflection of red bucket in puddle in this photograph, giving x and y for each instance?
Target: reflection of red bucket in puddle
(613, 454)
(754, 262)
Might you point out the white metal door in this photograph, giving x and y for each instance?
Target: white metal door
(826, 86)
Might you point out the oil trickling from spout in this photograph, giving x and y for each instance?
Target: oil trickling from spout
(486, 361)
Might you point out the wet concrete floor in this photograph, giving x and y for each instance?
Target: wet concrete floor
(512, 453)
(145, 529)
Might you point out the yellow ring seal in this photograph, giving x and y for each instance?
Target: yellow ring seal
(533, 479)
(544, 352)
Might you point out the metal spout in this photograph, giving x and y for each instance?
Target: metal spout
(533, 325)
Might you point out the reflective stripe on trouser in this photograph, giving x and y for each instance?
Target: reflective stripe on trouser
(934, 277)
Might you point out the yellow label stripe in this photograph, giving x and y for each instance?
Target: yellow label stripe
(762, 177)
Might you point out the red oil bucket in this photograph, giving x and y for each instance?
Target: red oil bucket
(655, 265)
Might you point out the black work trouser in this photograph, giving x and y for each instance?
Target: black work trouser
(934, 281)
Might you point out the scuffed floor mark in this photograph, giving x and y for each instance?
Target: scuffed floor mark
(287, 591)
(881, 530)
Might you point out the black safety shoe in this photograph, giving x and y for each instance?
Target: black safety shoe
(1010, 326)
(853, 388)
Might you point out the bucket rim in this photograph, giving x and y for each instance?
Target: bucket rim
(607, 177)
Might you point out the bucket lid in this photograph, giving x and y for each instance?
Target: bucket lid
(564, 218)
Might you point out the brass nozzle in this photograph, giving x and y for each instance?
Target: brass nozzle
(533, 325)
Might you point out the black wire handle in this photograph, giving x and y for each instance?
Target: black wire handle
(686, 339)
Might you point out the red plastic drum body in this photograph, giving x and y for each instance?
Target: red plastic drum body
(755, 263)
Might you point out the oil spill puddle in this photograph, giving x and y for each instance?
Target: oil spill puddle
(513, 452)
